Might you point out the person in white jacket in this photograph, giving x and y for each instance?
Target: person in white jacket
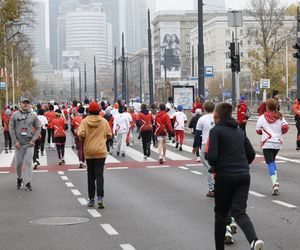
(121, 129)
(272, 125)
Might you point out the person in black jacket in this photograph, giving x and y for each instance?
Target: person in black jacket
(192, 125)
(230, 153)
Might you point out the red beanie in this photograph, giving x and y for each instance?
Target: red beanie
(94, 107)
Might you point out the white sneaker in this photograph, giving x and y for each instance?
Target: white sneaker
(228, 236)
(145, 157)
(257, 245)
(275, 189)
(164, 159)
(198, 159)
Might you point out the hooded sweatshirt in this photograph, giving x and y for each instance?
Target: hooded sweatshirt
(162, 124)
(145, 119)
(229, 149)
(271, 125)
(94, 130)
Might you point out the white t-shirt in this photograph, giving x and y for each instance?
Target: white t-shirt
(205, 124)
(121, 124)
(43, 121)
(172, 109)
(180, 119)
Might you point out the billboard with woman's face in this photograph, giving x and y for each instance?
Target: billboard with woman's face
(170, 49)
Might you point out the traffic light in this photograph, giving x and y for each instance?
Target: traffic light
(297, 47)
(235, 59)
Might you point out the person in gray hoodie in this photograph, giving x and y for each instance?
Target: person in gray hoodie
(24, 128)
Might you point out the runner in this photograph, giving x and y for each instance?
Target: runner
(153, 113)
(7, 137)
(79, 144)
(241, 113)
(171, 109)
(50, 115)
(263, 108)
(180, 120)
(272, 126)
(44, 123)
(132, 118)
(60, 126)
(192, 125)
(296, 109)
(95, 131)
(197, 105)
(108, 116)
(230, 153)
(163, 128)
(145, 120)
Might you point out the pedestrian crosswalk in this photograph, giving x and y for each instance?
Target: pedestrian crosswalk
(6, 159)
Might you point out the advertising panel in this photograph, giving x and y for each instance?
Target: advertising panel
(184, 95)
(71, 63)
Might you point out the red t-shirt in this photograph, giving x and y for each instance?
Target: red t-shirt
(197, 105)
(50, 115)
(59, 127)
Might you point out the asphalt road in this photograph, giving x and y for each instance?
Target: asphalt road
(147, 206)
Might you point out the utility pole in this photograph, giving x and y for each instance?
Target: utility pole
(85, 86)
(235, 69)
(5, 66)
(151, 101)
(115, 78)
(13, 75)
(297, 54)
(201, 90)
(141, 90)
(79, 89)
(193, 62)
(123, 69)
(95, 79)
(286, 67)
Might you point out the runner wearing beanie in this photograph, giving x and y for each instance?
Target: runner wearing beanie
(179, 122)
(94, 131)
(75, 126)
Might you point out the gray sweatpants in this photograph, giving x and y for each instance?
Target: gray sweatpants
(209, 176)
(23, 156)
(121, 142)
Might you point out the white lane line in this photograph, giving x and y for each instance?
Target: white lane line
(184, 168)
(40, 171)
(4, 172)
(136, 155)
(259, 156)
(60, 172)
(109, 229)
(287, 159)
(43, 159)
(111, 159)
(77, 170)
(94, 213)
(127, 247)
(162, 166)
(117, 168)
(194, 165)
(284, 204)
(196, 172)
(71, 157)
(275, 162)
(75, 192)
(257, 194)
(69, 184)
(184, 147)
(65, 178)
(6, 159)
(82, 201)
(172, 155)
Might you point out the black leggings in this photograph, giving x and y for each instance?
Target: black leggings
(8, 141)
(95, 168)
(60, 146)
(146, 141)
(50, 135)
(298, 132)
(36, 150)
(43, 139)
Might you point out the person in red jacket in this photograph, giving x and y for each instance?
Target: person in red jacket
(241, 113)
(60, 126)
(145, 120)
(263, 108)
(79, 144)
(197, 105)
(50, 115)
(7, 137)
(163, 127)
(110, 118)
(296, 109)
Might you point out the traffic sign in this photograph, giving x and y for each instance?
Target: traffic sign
(265, 83)
(209, 71)
(2, 85)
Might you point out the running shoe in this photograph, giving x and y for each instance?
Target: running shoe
(211, 193)
(118, 153)
(42, 153)
(198, 159)
(6, 151)
(35, 166)
(91, 203)
(275, 189)
(177, 145)
(63, 161)
(123, 154)
(28, 187)
(80, 165)
(180, 148)
(60, 162)
(257, 245)
(228, 237)
(19, 183)
(38, 163)
(164, 159)
(100, 203)
(145, 157)
(233, 226)
(161, 160)
(173, 141)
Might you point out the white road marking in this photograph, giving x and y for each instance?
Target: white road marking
(127, 247)
(136, 155)
(6, 159)
(194, 165)
(109, 229)
(60, 172)
(184, 147)
(196, 172)
(161, 166)
(43, 159)
(69, 184)
(4, 172)
(83, 201)
(94, 213)
(257, 194)
(40, 171)
(75, 192)
(184, 168)
(287, 159)
(65, 178)
(276, 162)
(284, 204)
(173, 156)
(71, 157)
(259, 156)
(117, 168)
(111, 159)
(77, 170)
